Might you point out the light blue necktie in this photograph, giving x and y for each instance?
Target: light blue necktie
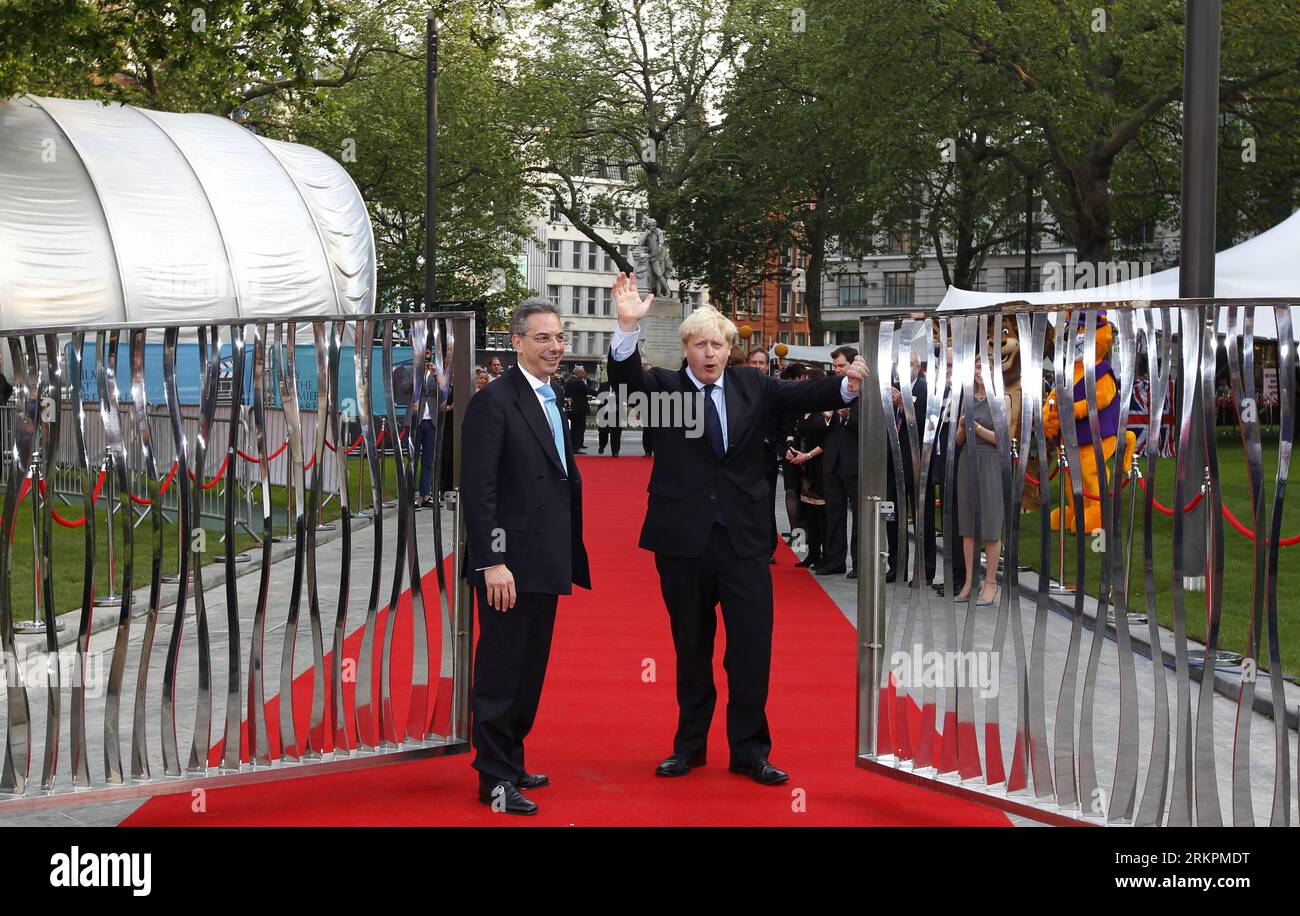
(557, 428)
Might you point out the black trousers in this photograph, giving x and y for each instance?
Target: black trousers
(611, 436)
(692, 588)
(647, 440)
(841, 492)
(424, 436)
(578, 430)
(509, 667)
(901, 508)
(937, 492)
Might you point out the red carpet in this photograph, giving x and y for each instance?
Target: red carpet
(608, 714)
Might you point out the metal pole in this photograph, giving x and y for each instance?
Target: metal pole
(1060, 588)
(1200, 174)
(112, 599)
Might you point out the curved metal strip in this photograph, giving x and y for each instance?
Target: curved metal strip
(912, 502)
(389, 730)
(315, 493)
(27, 405)
(51, 390)
(1035, 690)
(364, 711)
(1281, 813)
(1090, 792)
(443, 366)
(195, 538)
(995, 392)
(338, 727)
(1067, 787)
(968, 755)
(232, 737)
(140, 413)
(111, 420)
(1180, 801)
(259, 751)
(78, 746)
(1160, 360)
(417, 710)
(1124, 784)
(885, 358)
(1209, 812)
(286, 366)
(935, 416)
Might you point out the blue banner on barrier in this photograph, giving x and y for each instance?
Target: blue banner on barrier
(189, 376)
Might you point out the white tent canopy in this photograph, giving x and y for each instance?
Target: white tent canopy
(110, 213)
(1259, 268)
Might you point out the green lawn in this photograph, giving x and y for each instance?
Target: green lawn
(68, 548)
(1238, 572)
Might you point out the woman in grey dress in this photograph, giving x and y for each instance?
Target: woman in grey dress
(979, 492)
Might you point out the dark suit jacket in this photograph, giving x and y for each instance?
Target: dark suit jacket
(688, 478)
(577, 391)
(515, 494)
(841, 447)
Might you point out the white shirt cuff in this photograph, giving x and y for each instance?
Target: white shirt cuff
(623, 343)
(846, 395)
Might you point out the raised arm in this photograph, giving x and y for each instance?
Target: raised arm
(624, 363)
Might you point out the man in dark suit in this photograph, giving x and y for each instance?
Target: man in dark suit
(708, 520)
(576, 392)
(609, 419)
(522, 498)
(840, 479)
(902, 507)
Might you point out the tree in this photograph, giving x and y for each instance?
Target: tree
(626, 88)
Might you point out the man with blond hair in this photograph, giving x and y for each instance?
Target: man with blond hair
(707, 520)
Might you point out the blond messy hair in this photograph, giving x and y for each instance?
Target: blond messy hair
(705, 319)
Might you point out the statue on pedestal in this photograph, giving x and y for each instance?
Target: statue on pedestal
(658, 262)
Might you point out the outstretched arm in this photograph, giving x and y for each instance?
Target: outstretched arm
(822, 394)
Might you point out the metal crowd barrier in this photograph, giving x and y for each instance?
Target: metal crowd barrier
(394, 679)
(1094, 714)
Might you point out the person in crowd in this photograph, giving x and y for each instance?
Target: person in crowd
(578, 391)
(481, 378)
(609, 416)
(522, 499)
(841, 480)
(909, 478)
(758, 359)
(494, 368)
(791, 473)
(809, 459)
(980, 500)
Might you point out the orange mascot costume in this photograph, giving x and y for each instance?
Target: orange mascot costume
(1108, 410)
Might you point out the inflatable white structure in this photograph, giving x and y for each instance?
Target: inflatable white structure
(111, 214)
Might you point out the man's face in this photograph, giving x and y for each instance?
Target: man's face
(706, 355)
(540, 359)
(758, 359)
(840, 364)
(495, 366)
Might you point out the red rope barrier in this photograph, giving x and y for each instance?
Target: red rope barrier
(215, 480)
(1165, 510)
(1250, 535)
(94, 497)
(271, 457)
(1050, 477)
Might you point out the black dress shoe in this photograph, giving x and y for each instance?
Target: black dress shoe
(837, 570)
(533, 781)
(761, 772)
(771, 559)
(851, 574)
(505, 796)
(678, 765)
(809, 561)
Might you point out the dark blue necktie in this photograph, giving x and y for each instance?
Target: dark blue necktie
(713, 429)
(713, 423)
